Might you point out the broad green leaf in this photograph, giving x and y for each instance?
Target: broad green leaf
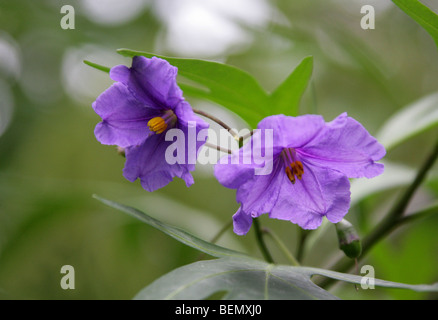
(411, 120)
(286, 98)
(176, 233)
(224, 84)
(421, 14)
(97, 66)
(250, 279)
(242, 279)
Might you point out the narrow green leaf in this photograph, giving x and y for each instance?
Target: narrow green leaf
(286, 98)
(421, 14)
(176, 233)
(410, 121)
(224, 84)
(97, 66)
(377, 282)
(250, 279)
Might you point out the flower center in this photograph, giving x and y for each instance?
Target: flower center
(294, 168)
(160, 124)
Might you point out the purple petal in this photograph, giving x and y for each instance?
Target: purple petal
(232, 175)
(148, 162)
(124, 117)
(237, 168)
(345, 145)
(292, 131)
(321, 192)
(260, 194)
(152, 81)
(241, 222)
(188, 119)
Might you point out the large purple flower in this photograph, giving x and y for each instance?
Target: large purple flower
(137, 111)
(311, 163)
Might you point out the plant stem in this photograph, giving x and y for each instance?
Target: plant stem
(391, 221)
(218, 148)
(302, 234)
(219, 234)
(282, 247)
(222, 231)
(218, 121)
(261, 243)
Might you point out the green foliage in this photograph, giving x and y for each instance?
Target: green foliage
(176, 233)
(51, 162)
(421, 14)
(286, 98)
(413, 119)
(240, 276)
(234, 88)
(226, 85)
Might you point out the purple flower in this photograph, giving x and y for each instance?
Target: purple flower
(137, 111)
(311, 163)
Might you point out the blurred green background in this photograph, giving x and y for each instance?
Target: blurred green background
(51, 163)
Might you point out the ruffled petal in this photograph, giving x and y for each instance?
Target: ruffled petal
(152, 81)
(259, 194)
(345, 145)
(292, 131)
(321, 192)
(150, 164)
(124, 117)
(241, 222)
(253, 159)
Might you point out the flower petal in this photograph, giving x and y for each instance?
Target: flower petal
(292, 131)
(242, 165)
(345, 145)
(241, 222)
(259, 194)
(147, 162)
(152, 81)
(321, 192)
(124, 117)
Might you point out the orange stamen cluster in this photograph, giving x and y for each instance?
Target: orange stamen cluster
(294, 168)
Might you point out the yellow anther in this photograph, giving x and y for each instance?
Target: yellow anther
(157, 125)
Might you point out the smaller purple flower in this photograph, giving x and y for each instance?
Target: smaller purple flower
(137, 111)
(311, 163)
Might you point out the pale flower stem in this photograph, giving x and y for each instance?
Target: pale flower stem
(261, 243)
(218, 121)
(218, 148)
(282, 247)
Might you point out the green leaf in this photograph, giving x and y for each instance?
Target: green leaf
(97, 66)
(421, 14)
(176, 233)
(242, 279)
(411, 120)
(226, 85)
(250, 279)
(286, 98)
